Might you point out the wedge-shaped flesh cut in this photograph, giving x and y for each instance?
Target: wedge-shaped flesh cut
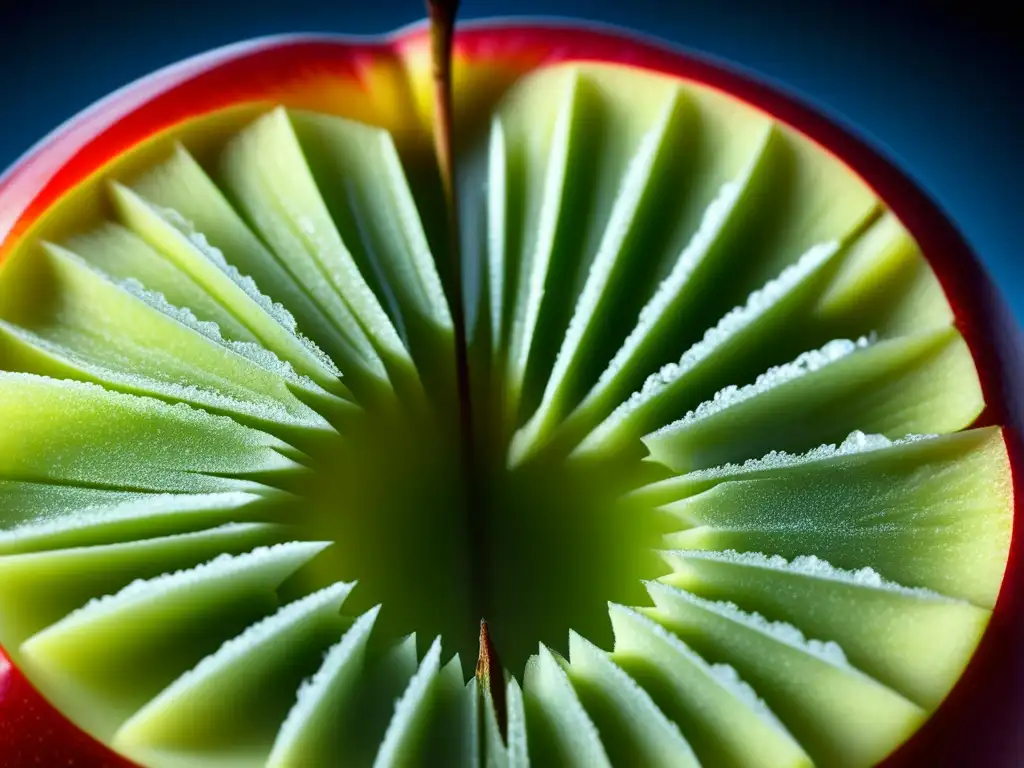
(724, 720)
(435, 720)
(388, 675)
(511, 748)
(933, 513)
(452, 735)
(180, 184)
(632, 727)
(38, 517)
(70, 432)
(176, 238)
(86, 302)
(840, 715)
(854, 447)
(914, 384)
(157, 352)
(829, 292)
(707, 367)
(285, 415)
(119, 253)
(359, 174)
(560, 730)
(41, 588)
(266, 170)
(412, 713)
(175, 621)
(198, 713)
(578, 147)
(309, 734)
(915, 641)
(885, 279)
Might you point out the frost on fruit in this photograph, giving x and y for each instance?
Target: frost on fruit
(714, 219)
(71, 511)
(251, 351)
(726, 676)
(236, 647)
(806, 363)
(810, 566)
(828, 651)
(857, 442)
(737, 320)
(282, 557)
(274, 309)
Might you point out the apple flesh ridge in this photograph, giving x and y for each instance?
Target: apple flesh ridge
(387, 82)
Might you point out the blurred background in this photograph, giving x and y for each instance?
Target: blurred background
(937, 86)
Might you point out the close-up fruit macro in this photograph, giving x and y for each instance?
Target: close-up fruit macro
(497, 394)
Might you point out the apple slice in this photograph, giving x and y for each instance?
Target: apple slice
(930, 513)
(630, 723)
(511, 748)
(840, 715)
(266, 169)
(175, 621)
(725, 721)
(915, 641)
(66, 431)
(125, 257)
(484, 457)
(38, 517)
(921, 383)
(40, 588)
(180, 184)
(227, 709)
(559, 729)
(72, 336)
(407, 729)
(176, 238)
(309, 734)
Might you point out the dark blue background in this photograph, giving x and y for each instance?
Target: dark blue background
(938, 90)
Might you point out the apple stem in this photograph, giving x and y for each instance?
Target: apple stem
(442, 27)
(491, 677)
(442, 15)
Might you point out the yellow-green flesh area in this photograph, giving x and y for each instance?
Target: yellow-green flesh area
(726, 505)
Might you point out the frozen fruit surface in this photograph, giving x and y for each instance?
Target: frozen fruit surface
(726, 362)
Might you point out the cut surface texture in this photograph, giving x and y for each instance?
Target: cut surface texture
(722, 501)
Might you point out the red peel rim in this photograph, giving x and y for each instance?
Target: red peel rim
(962, 731)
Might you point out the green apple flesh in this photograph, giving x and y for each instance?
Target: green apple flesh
(728, 509)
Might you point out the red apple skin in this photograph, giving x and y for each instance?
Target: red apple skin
(981, 723)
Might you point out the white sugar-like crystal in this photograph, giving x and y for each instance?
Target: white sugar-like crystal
(251, 351)
(715, 216)
(221, 566)
(313, 688)
(759, 302)
(274, 309)
(856, 443)
(813, 567)
(808, 362)
(123, 507)
(259, 633)
(827, 651)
